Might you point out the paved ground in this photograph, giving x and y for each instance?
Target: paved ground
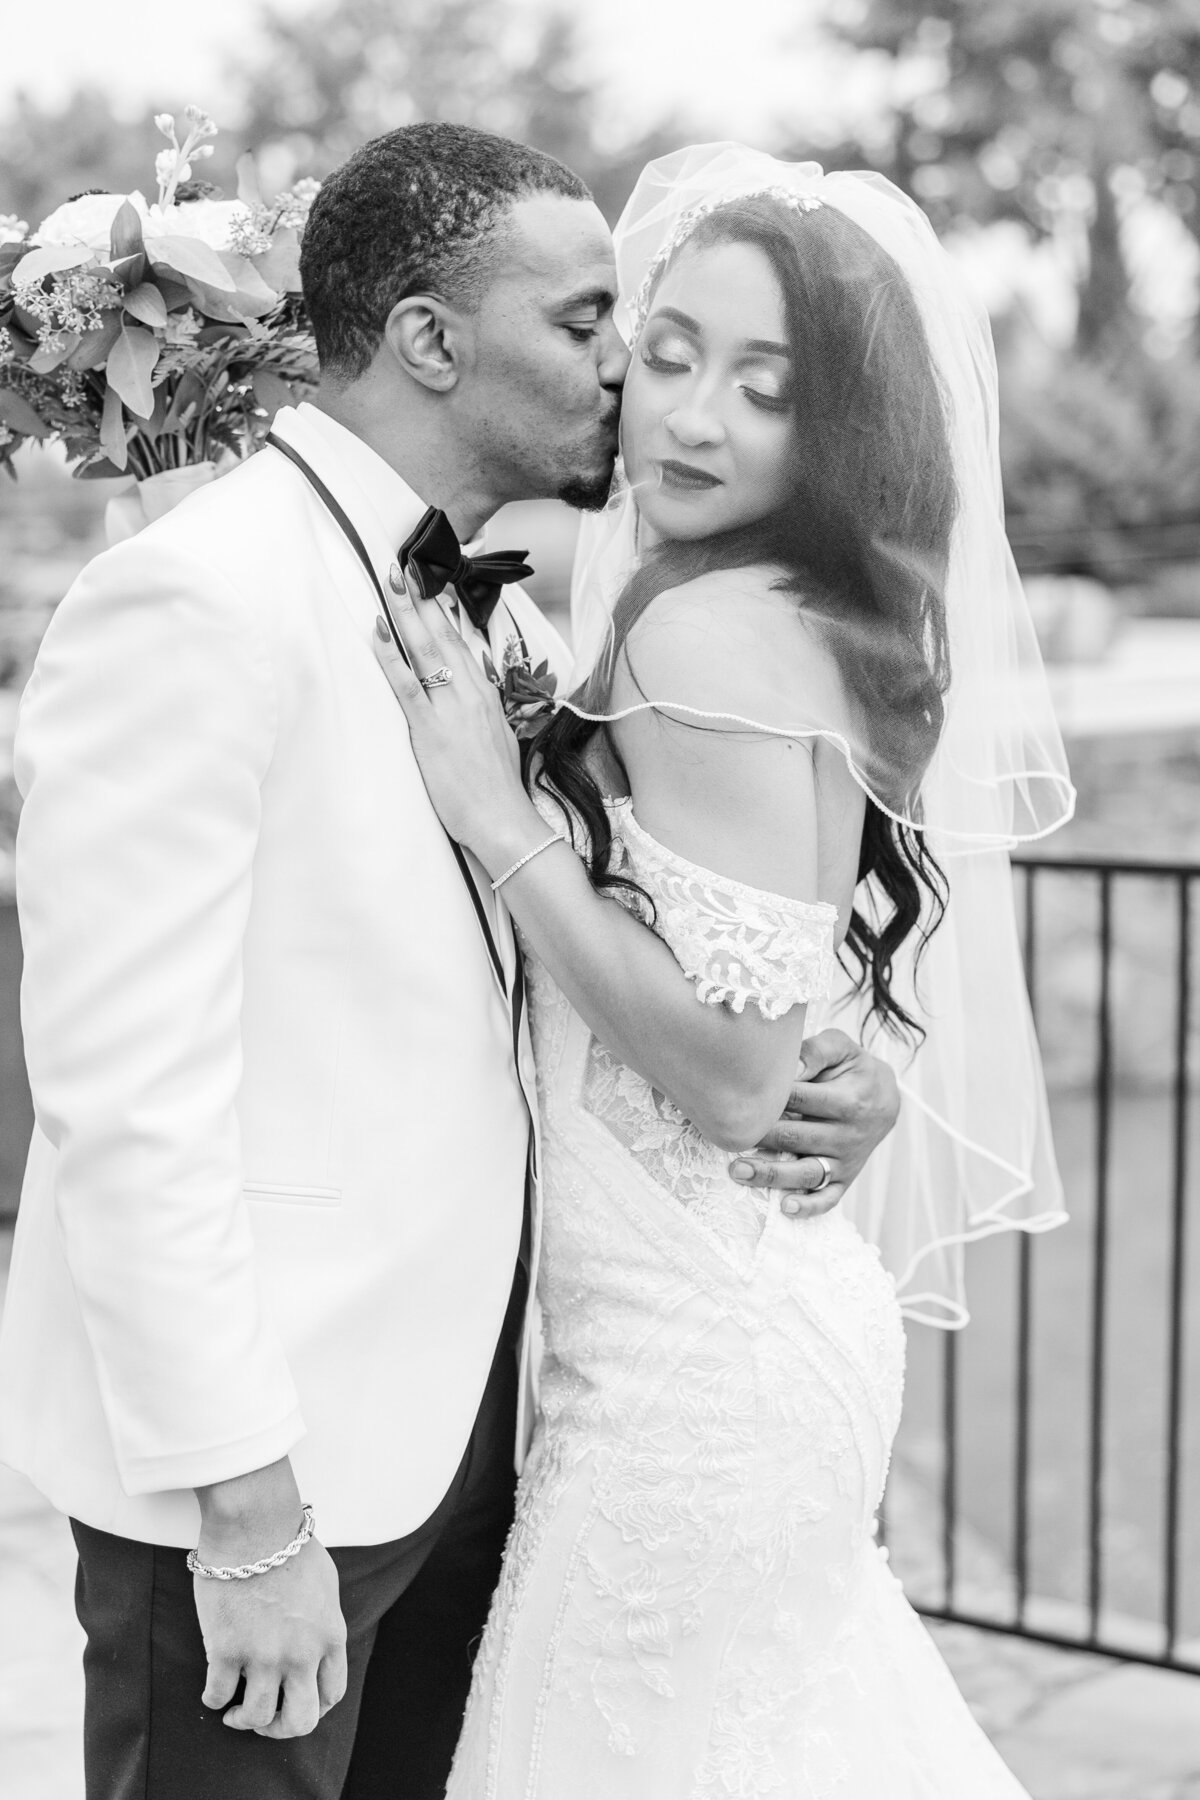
(1076, 1727)
(1072, 1727)
(41, 1680)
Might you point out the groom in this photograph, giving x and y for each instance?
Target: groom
(279, 1219)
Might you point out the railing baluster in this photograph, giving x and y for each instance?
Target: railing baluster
(1179, 1173)
(949, 1466)
(1021, 1472)
(1095, 1514)
(1024, 1318)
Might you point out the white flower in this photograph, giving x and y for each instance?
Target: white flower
(294, 205)
(166, 124)
(87, 221)
(202, 125)
(12, 229)
(250, 236)
(211, 221)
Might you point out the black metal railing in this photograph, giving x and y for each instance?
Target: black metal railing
(1116, 551)
(1136, 1233)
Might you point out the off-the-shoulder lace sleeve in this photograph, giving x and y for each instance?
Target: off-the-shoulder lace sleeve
(737, 943)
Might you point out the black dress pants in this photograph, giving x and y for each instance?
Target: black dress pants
(414, 1610)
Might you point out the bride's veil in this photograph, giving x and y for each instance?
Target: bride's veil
(972, 1153)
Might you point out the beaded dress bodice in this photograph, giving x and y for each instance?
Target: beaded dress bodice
(738, 947)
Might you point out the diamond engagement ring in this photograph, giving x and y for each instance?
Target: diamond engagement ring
(826, 1177)
(440, 678)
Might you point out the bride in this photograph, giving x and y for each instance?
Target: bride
(806, 690)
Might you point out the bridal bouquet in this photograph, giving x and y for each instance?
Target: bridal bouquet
(155, 338)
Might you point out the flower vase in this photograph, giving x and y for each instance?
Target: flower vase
(148, 500)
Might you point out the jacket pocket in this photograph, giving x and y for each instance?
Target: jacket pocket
(285, 1194)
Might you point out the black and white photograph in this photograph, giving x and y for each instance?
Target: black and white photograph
(600, 900)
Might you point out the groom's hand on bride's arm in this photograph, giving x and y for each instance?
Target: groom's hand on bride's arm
(842, 1106)
(283, 1630)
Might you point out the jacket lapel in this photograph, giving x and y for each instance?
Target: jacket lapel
(473, 873)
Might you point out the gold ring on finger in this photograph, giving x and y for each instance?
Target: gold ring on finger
(439, 678)
(826, 1174)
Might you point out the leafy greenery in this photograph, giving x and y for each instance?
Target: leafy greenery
(1102, 444)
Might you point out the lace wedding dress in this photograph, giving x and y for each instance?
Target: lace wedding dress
(693, 1603)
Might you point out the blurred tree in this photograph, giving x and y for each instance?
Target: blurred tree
(1052, 112)
(322, 82)
(1090, 448)
(313, 86)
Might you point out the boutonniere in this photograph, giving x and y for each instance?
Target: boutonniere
(527, 693)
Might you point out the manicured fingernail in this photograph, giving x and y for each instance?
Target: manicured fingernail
(790, 1207)
(742, 1170)
(381, 628)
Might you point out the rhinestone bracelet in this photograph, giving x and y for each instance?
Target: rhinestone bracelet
(557, 838)
(244, 1571)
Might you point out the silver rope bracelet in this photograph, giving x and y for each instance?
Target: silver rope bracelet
(244, 1571)
(557, 838)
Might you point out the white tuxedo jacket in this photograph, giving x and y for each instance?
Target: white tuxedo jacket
(275, 1191)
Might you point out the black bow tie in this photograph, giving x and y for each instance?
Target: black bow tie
(433, 556)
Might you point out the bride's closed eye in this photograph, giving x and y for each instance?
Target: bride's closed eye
(775, 403)
(765, 383)
(655, 356)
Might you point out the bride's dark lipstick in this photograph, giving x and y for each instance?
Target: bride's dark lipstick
(683, 475)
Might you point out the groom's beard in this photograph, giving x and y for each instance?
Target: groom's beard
(588, 496)
(589, 493)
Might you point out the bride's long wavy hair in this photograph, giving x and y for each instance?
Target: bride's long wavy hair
(864, 538)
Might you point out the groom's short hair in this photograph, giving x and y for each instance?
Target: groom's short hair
(412, 212)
